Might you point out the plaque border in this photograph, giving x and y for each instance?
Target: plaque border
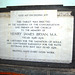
(42, 64)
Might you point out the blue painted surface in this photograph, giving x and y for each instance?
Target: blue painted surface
(4, 3)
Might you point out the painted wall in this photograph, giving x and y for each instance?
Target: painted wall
(4, 3)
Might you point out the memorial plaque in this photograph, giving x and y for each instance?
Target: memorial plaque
(37, 35)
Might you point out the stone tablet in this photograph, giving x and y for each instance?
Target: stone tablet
(37, 35)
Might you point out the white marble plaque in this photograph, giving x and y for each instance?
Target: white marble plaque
(37, 35)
